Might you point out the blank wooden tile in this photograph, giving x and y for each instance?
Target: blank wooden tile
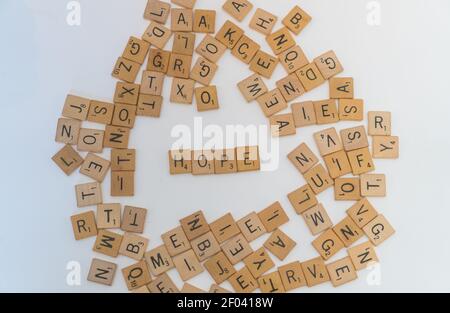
(205, 246)
(149, 106)
(176, 241)
(157, 35)
(157, 11)
(279, 244)
(290, 87)
(292, 276)
(76, 107)
(211, 49)
(136, 50)
(252, 87)
(317, 219)
(188, 288)
(354, 138)
(341, 88)
(88, 194)
(378, 230)
(158, 260)
(328, 64)
(302, 199)
(158, 60)
(342, 272)
(271, 283)
(180, 162)
(100, 112)
(202, 162)
(187, 265)
(326, 112)
(122, 184)
(243, 281)
(263, 64)
(219, 267)
(328, 141)
(303, 158)
(204, 21)
(296, 20)
(133, 246)
(263, 22)
(95, 167)
(67, 159)
(310, 76)
(162, 284)
(273, 216)
(251, 226)
(136, 275)
(282, 125)
(116, 137)
(224, 228)
(280, 40)
(182, 91)
(238, 9)
(385, 147)
(102, 272)
(217, 289)
(107, 243)
(363, 255)
(133, 219)
(337, 164)
(348, 231)
(126, 70)
(126, 93)
(362, 212)
(272, 102)
(229, 34)
(259, 262)
(351, 109)
(373, 185)
(109, 215)
(379, 123)
(225, 161)
(181, 20)
(183, 43)
(347, 188)
(68, 131)
(293, 59)
(304, 113)
(361, 161)
(83, 225)
(195, 225)
(318, 179)
(152, 83)
(123, 159)
(185, 3)
(315, 272)
(248, 159)
(203, 71)
(236, 249)
(245, 49)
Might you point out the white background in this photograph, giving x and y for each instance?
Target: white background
(401, 66)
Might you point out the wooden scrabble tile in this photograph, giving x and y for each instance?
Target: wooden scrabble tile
(176, 241)
(158, 60)
(133, 246)
(292, 276)
(68, 131)
(337, 164)
(243, 282)
(194, 225)
(185, 3)
(252, 87)
(354, 138)
(236, 249)
(328, 64)
(315, 272)
(348, 231)
(351, 109)
(379, 123)
(347, 188)
(245, 49)
(100, 112)
(187, 265)
(317, 219)
(342, 272)
(157, 11)
(303, 158)
(217, 289)
(158, 260)
(203, 71)
(162, 284)
(126, 70)
(361, 161)
(133, 219)
(302, 199)
(378, 230)
(271, 283)
(76, 107)
(183, 43)
(272, 102)
(182, 91)
(279, 244)
(328, 141)
(205, 246)
(263, 64)
(341, 88)
(202, 162)
(238, 9)
(280, 40)
(116, 137)
(318, 179)
(385, 147)
(122, 184)
(273, 216)
(136, 50)
(108, 215)
(259, 262)
(83, 225)
(248, 158)
(95, 167)
(188, 288)
(362, 212)
(136, 275)
(149, 106)
(88, 194)
(152, 83)
(363, 255)
(141, 290)
(157, 35)
(107, 243)
(67, 159)
(263, 22)
(293, 59)
(290, 87)
(373, 185)
(282, 125)
(102, 272)
(123, 159)
(219, 267)
(204, 21)
(304, 113)
(229, 34)
(326, 112)
(180, 162)
(126, 93)
(124, 115)
(181, 20)
(210, 48)
(310, 76)
(225, 161)
(251, 226)
(224, 228)
(296, 20)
